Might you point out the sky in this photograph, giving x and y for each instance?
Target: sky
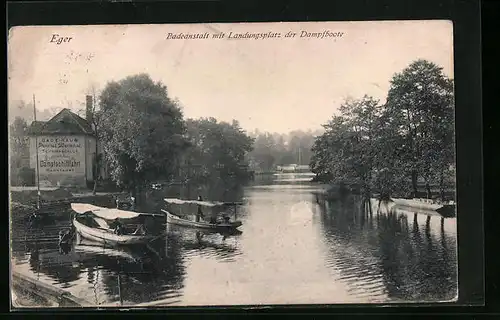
(274, 84)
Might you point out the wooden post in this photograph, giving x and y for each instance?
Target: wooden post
(428, 226)
(370, 209)
(235, 209)
(38, 200)
(120, 288)
(167, 227)
(189, 180)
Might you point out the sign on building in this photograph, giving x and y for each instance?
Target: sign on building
(61, 158)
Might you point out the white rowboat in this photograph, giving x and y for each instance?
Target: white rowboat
(103, 233)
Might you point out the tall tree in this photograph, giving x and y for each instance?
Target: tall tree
(420, 106)
(347, 149)
(330, 152)
(263, 151)
(218, 149)
(361, 120)
(141, 131)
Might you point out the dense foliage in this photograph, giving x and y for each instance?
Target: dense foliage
(141, 131)
(274, 149)
(217, 150)
(396, 146)
(146, 139)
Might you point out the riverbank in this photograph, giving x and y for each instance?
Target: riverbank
(29, 194)
(29, 292)
(23, 201)
(420, 206)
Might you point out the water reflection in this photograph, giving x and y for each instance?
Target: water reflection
(293, 248)
(128, 275)
(381, 254)
(224, 247)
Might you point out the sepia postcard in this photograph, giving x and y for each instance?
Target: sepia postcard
(230, 164)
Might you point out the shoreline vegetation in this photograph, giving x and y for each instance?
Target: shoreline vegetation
(403, 147)
(396, 148)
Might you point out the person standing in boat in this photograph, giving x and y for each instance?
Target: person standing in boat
(132, 202)
(200, 211)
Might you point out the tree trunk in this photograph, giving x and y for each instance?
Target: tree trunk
(97, 165)
(428, 188)
(94, 190)
(441, 184)
(414, 182)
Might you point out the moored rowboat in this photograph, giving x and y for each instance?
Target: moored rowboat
(445, 209)
(108, 213)
(100, 231)
(107, 236)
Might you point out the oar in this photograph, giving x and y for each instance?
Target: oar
(153, 251)
(166, 212)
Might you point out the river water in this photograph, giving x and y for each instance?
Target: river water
(293, 249)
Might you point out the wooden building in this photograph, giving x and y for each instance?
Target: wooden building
(66, 149)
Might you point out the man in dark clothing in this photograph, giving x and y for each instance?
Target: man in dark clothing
(213, 219)
(200, 212)
(118, 227)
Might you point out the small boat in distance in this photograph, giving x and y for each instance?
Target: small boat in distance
(94, 223)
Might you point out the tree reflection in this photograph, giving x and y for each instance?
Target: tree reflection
(147, 278)
(411, 265)
(146, 273)
(208, 243)
(45, 255)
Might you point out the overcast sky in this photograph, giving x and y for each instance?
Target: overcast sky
(273, 84)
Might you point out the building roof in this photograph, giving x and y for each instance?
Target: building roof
(65, 122)
(36, 126)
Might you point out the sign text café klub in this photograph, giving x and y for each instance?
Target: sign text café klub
(66, 149)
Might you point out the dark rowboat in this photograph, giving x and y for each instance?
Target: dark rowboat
(176, 220)
(216, 207)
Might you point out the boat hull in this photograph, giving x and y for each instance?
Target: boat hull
(175, 220)
(417, 204)
(106, 237)
(446, 210)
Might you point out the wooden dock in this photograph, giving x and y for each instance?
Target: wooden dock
(52, 295)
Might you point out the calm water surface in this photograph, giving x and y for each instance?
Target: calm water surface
(291, 250)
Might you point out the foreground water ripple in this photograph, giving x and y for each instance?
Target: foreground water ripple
(292, 249)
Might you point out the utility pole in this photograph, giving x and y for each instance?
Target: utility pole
(36, 149)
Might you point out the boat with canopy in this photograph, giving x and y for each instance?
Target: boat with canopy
(95, 223)
(216, 207)
(210, 204)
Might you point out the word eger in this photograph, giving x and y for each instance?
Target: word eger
(58, 39)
